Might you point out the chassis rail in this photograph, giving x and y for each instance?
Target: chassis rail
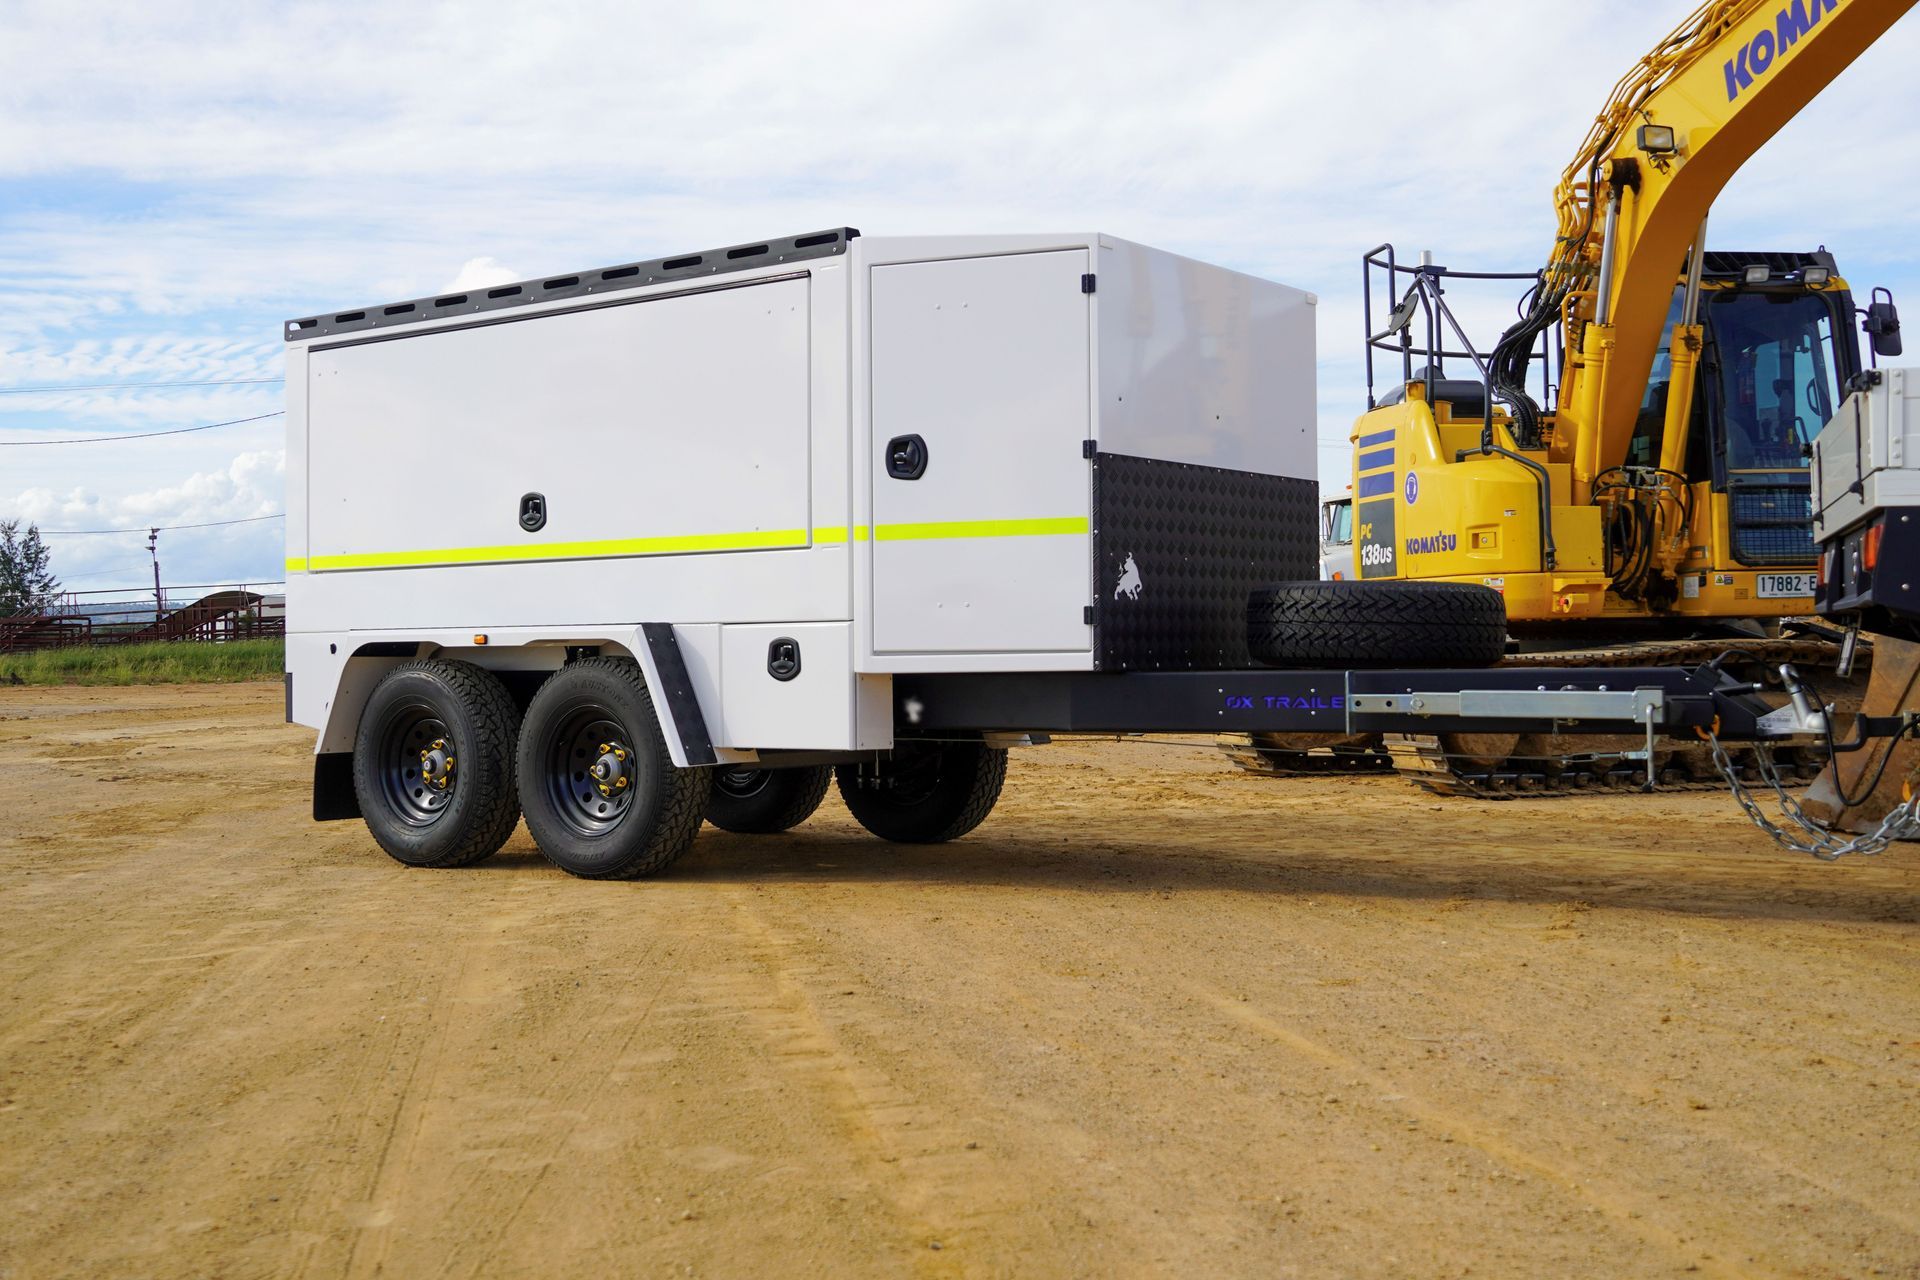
(1560, 700)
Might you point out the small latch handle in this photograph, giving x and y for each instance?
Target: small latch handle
(906, 457)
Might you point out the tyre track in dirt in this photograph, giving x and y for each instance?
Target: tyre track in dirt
(1846, 1211)
(1154, 1018)
(574, 1110)
(954, 1200)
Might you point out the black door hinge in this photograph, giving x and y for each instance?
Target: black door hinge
(1086, 614)
(1086, 283)
(1089, 447)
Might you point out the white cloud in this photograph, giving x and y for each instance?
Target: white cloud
(479, 273)
(250, 485)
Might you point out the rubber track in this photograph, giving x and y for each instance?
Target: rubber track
(1376, 624)
(1625, 777)
(497, 811)
(1301, 764)
(1809, 653)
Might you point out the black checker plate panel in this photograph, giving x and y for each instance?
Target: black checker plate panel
(1201, 539)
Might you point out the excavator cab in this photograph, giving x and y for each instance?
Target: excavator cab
(1447, 490)
(1779, 349)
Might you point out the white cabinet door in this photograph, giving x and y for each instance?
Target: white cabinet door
(659, 426)
(985, 362)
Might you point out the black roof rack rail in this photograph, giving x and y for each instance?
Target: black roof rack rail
(626, 275)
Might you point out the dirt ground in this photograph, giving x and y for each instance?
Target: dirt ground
(1154, 1018)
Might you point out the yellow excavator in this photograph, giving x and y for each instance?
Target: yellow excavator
(1648, 500)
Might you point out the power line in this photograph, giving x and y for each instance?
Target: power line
(108, 573)
(165, 528)
(148, 435)
(132, 386)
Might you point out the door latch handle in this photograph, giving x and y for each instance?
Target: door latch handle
(533, 512)
(906, 457)
(783, 658)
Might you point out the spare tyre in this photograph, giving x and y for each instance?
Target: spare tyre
(1376, 624)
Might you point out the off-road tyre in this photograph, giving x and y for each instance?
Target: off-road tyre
(924, 793)
(764, 802)
(1376, 624)
(634, 830)
(417, 821)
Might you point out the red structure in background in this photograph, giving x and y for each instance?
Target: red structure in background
(215, 614)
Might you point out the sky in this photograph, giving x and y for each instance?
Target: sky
(177, 180)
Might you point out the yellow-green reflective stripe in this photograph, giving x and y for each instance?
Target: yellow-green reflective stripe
(769, 539)
(565, 550)
(834, 533)
(979, 529)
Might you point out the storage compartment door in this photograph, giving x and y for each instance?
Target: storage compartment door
(659, 426)
(980, 543)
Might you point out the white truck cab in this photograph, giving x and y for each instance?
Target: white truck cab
(1336, 539)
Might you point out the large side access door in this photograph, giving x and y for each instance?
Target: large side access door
(981, 491)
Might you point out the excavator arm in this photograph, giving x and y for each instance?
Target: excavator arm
(1635, 199)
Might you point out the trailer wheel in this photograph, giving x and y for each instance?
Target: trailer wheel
(433, 764)
(925, 793)
(1376, 624)
(603, 799)
(761, 802)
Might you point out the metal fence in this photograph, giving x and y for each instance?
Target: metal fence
(200, 612)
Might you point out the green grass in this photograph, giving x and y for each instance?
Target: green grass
(186, 662)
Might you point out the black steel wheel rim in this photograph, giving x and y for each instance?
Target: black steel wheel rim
(741, 782)
(590, 771)
(418, 762)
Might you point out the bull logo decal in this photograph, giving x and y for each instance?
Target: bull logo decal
(1130, 583)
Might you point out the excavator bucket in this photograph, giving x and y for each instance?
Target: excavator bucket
(1893, 688)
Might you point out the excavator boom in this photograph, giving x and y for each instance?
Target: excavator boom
(1674, 133)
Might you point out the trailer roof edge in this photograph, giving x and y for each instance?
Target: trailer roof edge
(579, 284)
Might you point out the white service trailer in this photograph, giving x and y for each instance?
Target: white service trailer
(632, 547)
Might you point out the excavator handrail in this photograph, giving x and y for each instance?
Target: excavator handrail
(1432, 298)
(1433, 305)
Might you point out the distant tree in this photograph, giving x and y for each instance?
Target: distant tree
(27, 584)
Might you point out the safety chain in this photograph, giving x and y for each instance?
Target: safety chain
(1902, 823)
